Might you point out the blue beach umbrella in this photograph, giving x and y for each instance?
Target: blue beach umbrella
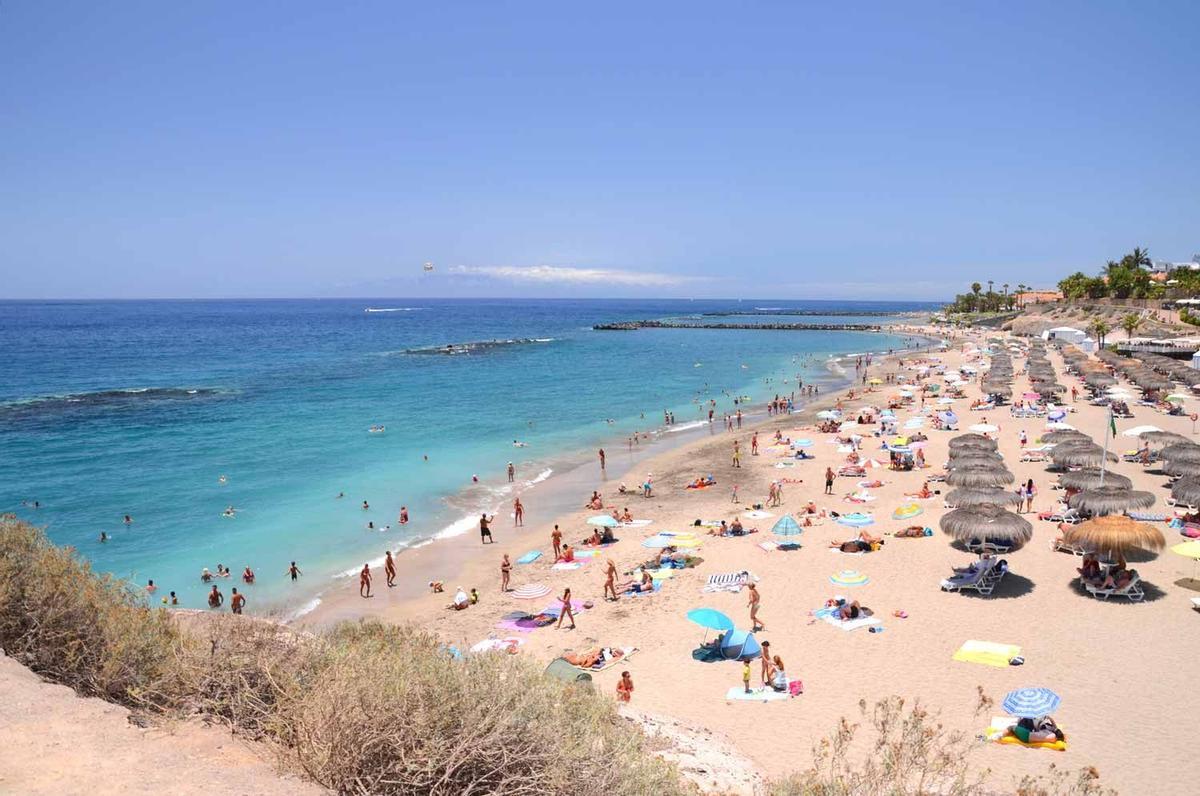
(786, 526)
(740, 645)
(1030, 703)
(710, 618)
(603, 520)
(949, 418)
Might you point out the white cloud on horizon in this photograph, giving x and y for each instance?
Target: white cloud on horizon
(570, 275)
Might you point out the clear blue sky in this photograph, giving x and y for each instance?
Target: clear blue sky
(797, 150)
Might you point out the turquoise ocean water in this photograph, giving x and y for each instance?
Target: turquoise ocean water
(139, 408)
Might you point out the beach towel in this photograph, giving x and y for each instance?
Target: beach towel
(510, 644)
(768, 546)
(586, 553)
(515, 626)
(567, 565)
(988, 653)
(530, 557)
(727, 581)
(636, 523)
(829, 615)
(738, 694)
(757, 515)
(840, 551)
(555, 609)
(998, 732)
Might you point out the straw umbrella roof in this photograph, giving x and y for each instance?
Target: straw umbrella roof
(1110, 499)
(967, 457)
(972, 439)
(986, 522)
(1065, 435)
(1162, 437)
(1181, 452)
(1081, 456)
(1115, 535)
(967, 496)
(1181, 468)
(979, 477)
(1187, 490)
(1090, 478)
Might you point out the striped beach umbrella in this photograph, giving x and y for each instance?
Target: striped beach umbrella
(849, 577)
(786, 526)
(531, 591)
(1030, 703)
(856, 520)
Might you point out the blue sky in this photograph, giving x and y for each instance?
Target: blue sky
(822, 150)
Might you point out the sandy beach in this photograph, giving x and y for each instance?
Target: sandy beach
(1117, 666)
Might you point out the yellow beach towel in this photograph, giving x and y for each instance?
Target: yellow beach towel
(988, 653)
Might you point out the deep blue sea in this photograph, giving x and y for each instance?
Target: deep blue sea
(170, 411)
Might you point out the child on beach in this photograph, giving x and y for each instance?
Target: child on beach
(746, 675)
(624, 687)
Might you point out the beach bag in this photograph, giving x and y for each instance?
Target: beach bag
(796, 687)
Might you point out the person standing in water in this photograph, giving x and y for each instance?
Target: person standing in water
(389, 569)
(237, 602)
(364, 581)
(485, 533)
(602, 458)
(512, 472)
(293, 571)
(505, 572)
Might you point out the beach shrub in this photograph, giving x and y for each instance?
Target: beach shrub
(91, 632)
(367, 708)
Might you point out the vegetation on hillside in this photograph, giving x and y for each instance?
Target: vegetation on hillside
(370, 708)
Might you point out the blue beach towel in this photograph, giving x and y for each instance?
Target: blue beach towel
(530, 557)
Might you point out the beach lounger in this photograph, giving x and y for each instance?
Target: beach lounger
(1186, 508)
(985, 546)
(1196, 603)
(1133, 590)
(1030, 455)
(1146, 516)
(982, 579)
(1059, 546)
(1069, 516)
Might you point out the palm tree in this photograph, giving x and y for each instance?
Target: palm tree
(1130, 323)
(1099, 328)
(1005, 286)
(1140, 257)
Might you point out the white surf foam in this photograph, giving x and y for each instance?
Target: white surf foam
(685, 426)
(457, 528)
(542, 476)
(307, 608)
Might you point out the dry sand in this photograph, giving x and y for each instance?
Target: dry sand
(55, 742)
(1120, 668)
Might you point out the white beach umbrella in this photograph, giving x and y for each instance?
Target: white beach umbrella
(1060, 426)
(1137, 431)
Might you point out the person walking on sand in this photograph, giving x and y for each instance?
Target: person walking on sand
(566, 609)
(364, 581)
(602, 458)
(1023, 438)
(733, 498)
(505, 572)
(556, 540)
(485, 533)
(610, 581)
(737, 454)
(512, 472)
(293, 571)
(754, 444)
(518, 512)
(828, 480)
(389, 569)
(237, 602)
(755, 602)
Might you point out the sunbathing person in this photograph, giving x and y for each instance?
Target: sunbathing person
(593, 540)
(721, 530)
(1090, 571)
(1118, 578)
(924, 494)
(736, 529)
(568, 555)
(1039, 730)
(810, 508)
(911, 532)
(850, 610)
(626, 516)
(594, 503)
(586, 659)
(862, 544)
(637, 586)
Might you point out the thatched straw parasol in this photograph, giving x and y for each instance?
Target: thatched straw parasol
(976, 477)
(1181, 452)
(1110, 499)
(1090, 479)
(972, 440)
(964, 497)
(1078, 456)
(1186, 490)
(1162, 437)
(1181, 468)
(1065, 435)
(974, 457)
(987, 522)
(1114, 536)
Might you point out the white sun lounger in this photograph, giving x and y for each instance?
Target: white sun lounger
(987, 574)
(1133, 590)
